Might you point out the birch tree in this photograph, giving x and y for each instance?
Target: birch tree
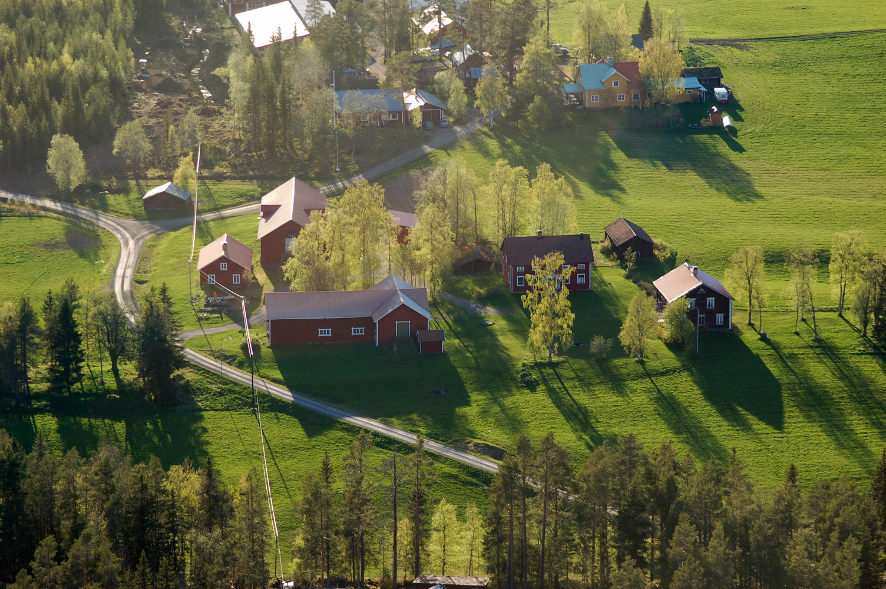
(552, 208)
(589, 31)
(65, 163)
(847, 253)
(802, 263)
(445, 537)
(746, 272)
(491, 93)
(317, 259)
(366, 224)
(660, 67)
(639, 326)
(508, 197)
(550, 312)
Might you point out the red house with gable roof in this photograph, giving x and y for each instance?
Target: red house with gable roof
(285, 211)
(710, 304)
(392, 308)
(224, 262)
(518, 252)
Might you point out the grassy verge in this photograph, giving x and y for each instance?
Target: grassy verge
(743, 20)
(818, 405)
(41, 252)
(165, 259)
(214, 196)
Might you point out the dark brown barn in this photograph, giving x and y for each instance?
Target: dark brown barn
(285, 211)
(710, 76)
(225, 261)
(518, 253)
(429, 581)
(710, 304)
(165, 197)
(473, 259)
(623, 235)
(392, 308)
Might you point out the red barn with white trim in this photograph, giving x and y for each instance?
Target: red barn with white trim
(225, 261)
(392, 308)
(518, 252)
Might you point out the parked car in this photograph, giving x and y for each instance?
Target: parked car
(444, 122)
(559, 49)
(428, 124)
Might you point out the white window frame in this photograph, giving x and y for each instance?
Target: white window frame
(595, 98)
(324, 332)
(521, 281)
(635, 96)
(408, 329)
(620, 97)
(615, 83)
(288, 243)
(521, 268)
(721, 319)
(701, 319)
(691, 303)
(210, 279)
(235, 278)
(223, 266)
(581, 266)
(358, 331)
(712, 302)
(364, 118)
(565, 267)
(392, 116)
(580, 279)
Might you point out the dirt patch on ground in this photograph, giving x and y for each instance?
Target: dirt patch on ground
(74, 240)
(400, 191)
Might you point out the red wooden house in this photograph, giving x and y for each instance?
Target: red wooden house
(623, 234)
(518, 253)
(710, 304)
(418, 101)
(224, 262)
(392, 308)
(285, 211)
(166, 196)
(406, 222)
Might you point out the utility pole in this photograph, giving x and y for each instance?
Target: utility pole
(335, 122)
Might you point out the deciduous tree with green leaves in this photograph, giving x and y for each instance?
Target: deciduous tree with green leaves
(491, 93)
(65, 163)
(747, 272)
(445, 542)
(132, 146)
(660, 67)
(847, 254)
(550, 312)
(639, 326)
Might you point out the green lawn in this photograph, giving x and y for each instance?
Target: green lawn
(40, 253)
(219, 423)
(165, 259)
(804, 162)
(213, 195)
(820, 405)
(748, 19)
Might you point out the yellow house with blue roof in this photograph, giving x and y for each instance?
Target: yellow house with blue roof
(610, 84)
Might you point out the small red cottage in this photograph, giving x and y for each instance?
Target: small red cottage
(224, 262)
(418, 101)
(285, 211)
(406, 222)
(392, 308)
(518, 252)
(166, 196)
(709, 301)
(623, 234)
(430, 341)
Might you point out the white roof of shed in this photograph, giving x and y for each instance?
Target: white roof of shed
(266, 21)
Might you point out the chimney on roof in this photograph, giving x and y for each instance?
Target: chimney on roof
(686, 262)
(225, 245)
(538, 234)
(610, 61)
(581, 235)
(694, 270)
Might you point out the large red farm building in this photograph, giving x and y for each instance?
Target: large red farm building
(285, 211)
(518, 252)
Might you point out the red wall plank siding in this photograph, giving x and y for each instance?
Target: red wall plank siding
(387, 325)
(283, 332)
(223, 277)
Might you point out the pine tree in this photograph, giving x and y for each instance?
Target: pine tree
(27, 331)
(66, 367)
(878, 489)
(421, 481)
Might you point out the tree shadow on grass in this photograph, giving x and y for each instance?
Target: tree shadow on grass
(817, 405)
(685, 425)
(20, 425)
(736, 381)
(679, 151)
(576, 414)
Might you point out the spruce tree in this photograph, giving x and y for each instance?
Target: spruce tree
(65, 370)
(646, 28)
(878, 489)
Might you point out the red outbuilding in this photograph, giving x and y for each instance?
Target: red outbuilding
(406, 222)
(518, 252)
(710, 304)
(623, 234)
(430, 341)
(225, 261)
(285, 211)
(392, 308)
(166, 196)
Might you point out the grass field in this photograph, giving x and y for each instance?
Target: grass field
(40, 253)
(820, 405)
(213, 195)
(804, 163)
(165, 259)
(749, 19)
(220, 423)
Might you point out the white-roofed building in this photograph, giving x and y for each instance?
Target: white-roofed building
(710, 304)
(267, 21)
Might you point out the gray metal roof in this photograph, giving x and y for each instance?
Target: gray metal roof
(393, 99)
(170, 189)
